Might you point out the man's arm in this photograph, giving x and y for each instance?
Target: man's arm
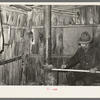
(74, 60)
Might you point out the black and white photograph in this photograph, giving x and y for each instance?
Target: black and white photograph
(49, 45)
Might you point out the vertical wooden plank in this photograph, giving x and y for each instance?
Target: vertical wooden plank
(7, 73)
(10, 74)
(1, 80)
(59, 40)
(47, 30)
(13, 72)
(15, 78)
(53, 40)
(96, 13)
(2, 73)
(89, 15)
(83, 16)
(18, 72)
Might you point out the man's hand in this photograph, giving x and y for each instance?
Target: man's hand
(63, 66)
(93, 70)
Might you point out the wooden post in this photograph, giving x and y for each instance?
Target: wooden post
(47, 31)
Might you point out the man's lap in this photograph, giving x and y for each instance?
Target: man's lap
(82, 78)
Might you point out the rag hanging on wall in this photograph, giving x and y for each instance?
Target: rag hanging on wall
(1, 36)
(31, 39)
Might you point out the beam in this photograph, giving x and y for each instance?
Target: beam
(63, 10)
(36, 7)
(47, 31)
(78, 7)
(22, 7)
(22, 27)
(12, 10)
(56, 10)
(65, 14)
(71, 26)
(42, 27)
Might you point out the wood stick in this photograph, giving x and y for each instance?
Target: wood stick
(71, 26)
(22, 7)
(36, 7)
(21, 27)
(78, 7)
(64, 10)
(73, 70)
(70, 13)
(10, 60)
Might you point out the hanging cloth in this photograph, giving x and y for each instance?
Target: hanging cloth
(1, 36)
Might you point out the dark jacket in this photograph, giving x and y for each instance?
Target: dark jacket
(87, 60)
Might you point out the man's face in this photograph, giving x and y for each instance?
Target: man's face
(85, 45)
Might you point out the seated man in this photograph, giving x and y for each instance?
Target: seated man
(88, 57)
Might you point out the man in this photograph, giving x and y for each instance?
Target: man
(88, 58)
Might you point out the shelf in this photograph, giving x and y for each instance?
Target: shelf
(60, 56)
(72, 26)
(41, 27)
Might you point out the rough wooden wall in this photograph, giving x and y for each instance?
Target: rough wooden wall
(64, 40)
(22, 43)
(14, 38)
(36, 54)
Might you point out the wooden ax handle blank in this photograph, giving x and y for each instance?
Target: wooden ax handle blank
(73, 70)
